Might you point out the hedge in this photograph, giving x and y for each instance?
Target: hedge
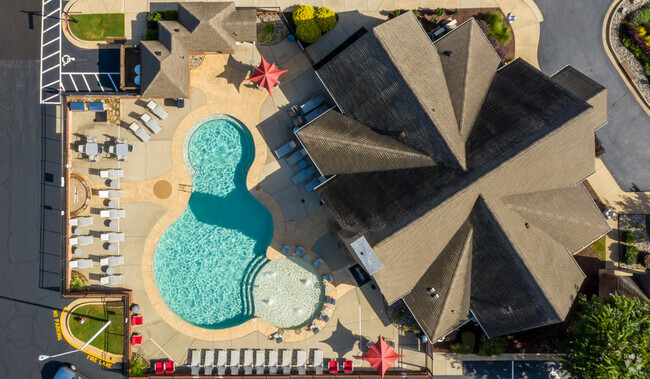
(325, 19)
(497, 29)
(629, 237)
(308, 31)
(631, 255)
(489, 347)
(466, 346)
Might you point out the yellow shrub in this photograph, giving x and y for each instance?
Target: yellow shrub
(646, 39)
(641, 30)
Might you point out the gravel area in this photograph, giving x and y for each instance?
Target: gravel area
(281, 31)
(622, 53)
(636, 224)
(196, 60)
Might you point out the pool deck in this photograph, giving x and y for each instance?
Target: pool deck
(218, 86)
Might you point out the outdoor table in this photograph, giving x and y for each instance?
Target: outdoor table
(113, 184)
(112, 224)
(121, 149)
(92, 149)
(137, 69)
(112, 204)
(302, 164)
(112, 248)
(137, 80)
(78, 252)
(110, 271)
(78, 231)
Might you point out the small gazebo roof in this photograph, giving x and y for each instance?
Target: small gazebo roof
(381, 356)
(266, 75)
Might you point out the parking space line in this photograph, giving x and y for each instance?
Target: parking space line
(53, 12)
(87, 86)
(100, 83)
(74, 83)
(51, 55)
(51, 41)
(62, 87)
(46, 2)
(47, 85)
(51, 97)
(51, 27)
(51, 68)
(112, 82)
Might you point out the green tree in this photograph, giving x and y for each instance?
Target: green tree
(307, 31)
(489, 347)
(325, 18)
(610, 340)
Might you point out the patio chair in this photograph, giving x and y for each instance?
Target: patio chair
(77, 106)
(110, 194)
(303, 175)
(318, 362)
(328, 278)
(81, 149)
(139, 132)
(136, 320)
(318, 262)
(110, 280)
(273, 362)
(113, 173)
(234, 362)
(324, 317)
(112, 213)
(300, 251)
(301, 362)
(278, 337)
(259, 362)
(248, 362)
(208, 364)
(333, 366)
(156, 109)
(347, 367)
(330, 300)
(136, 339)
(222, 359)
(170, 367)
(81, 240)
(285, 149)
(112, 237)
(96, 107)
(81, 221)
(296, 156)
(195, 366)
(112, 261)
(314, 328)
(308, 258)
(150, 123)
(160, 368)
(311, 116)
(285, 250)
(286, 362)
(312, 184)
(311, 104)
(82, 263)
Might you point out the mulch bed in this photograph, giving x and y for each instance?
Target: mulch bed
(425, 15)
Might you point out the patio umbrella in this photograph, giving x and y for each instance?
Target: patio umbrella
(381, 356)
(266, 75)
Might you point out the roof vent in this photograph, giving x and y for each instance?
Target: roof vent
(506, 309)
(448, 53)
(402, 134)
(158, 53)
(177, 30)
(433, 293)
(527, 225)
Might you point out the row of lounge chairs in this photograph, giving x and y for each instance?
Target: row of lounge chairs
(112, 173)
(149, 122)
(258, 360)
(297, 157)
(89, 263)
(300, 251)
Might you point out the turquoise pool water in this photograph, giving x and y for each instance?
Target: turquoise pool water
(205, 262)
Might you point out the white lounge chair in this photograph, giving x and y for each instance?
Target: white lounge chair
(81, 221)
(273, 362)
(248, 362)
(259, 362)
(112, 213)
(208, 363)
(156, 109)
(318, 362)
(286, 362)
(285, 149)
(301, 362)
(112, 237)
(81, 263)
(196, 362)
(113, 173)
(112, 261)
(318, 262)
(139, 132)
(111, 194)
(81, 240)
(234, 362)
(222, 360)
(110, 280)
(150, 123)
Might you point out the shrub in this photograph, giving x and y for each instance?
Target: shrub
(498, 48)
(466, 345)
(415, 328)
(395, 319)
(641, 30)
(151, 35)
(76, 283)
(398, 12)
(489, 347)
(456, 12)
(269, 28)
(303, 13)
(308, 31)
(325, 19)
(433, 22)
(639, 40)
(415, 12)
(640, 226)
(138, 365)
(629, 237)
(497, 29)
(439, 11)
(641, 16)
(631, 255)
(171, 15)
(405, 328)
(154, 16)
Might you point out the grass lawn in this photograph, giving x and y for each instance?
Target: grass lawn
(96, 27)
(598, 248)
(112, 339)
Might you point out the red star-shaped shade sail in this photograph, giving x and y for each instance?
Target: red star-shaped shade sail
(381, 356)
(266, 75)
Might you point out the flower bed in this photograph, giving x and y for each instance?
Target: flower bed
(634, 241)
(270, 29)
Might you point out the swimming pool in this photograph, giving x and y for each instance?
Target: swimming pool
(206, 262)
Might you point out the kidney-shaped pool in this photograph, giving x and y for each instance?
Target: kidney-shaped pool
(207, 262)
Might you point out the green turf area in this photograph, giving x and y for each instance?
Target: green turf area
(112, 339)
(96, 27)
(598, 248)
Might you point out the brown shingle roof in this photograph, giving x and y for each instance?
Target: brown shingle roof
(342, 145)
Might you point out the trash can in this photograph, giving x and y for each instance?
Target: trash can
(180, 102)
